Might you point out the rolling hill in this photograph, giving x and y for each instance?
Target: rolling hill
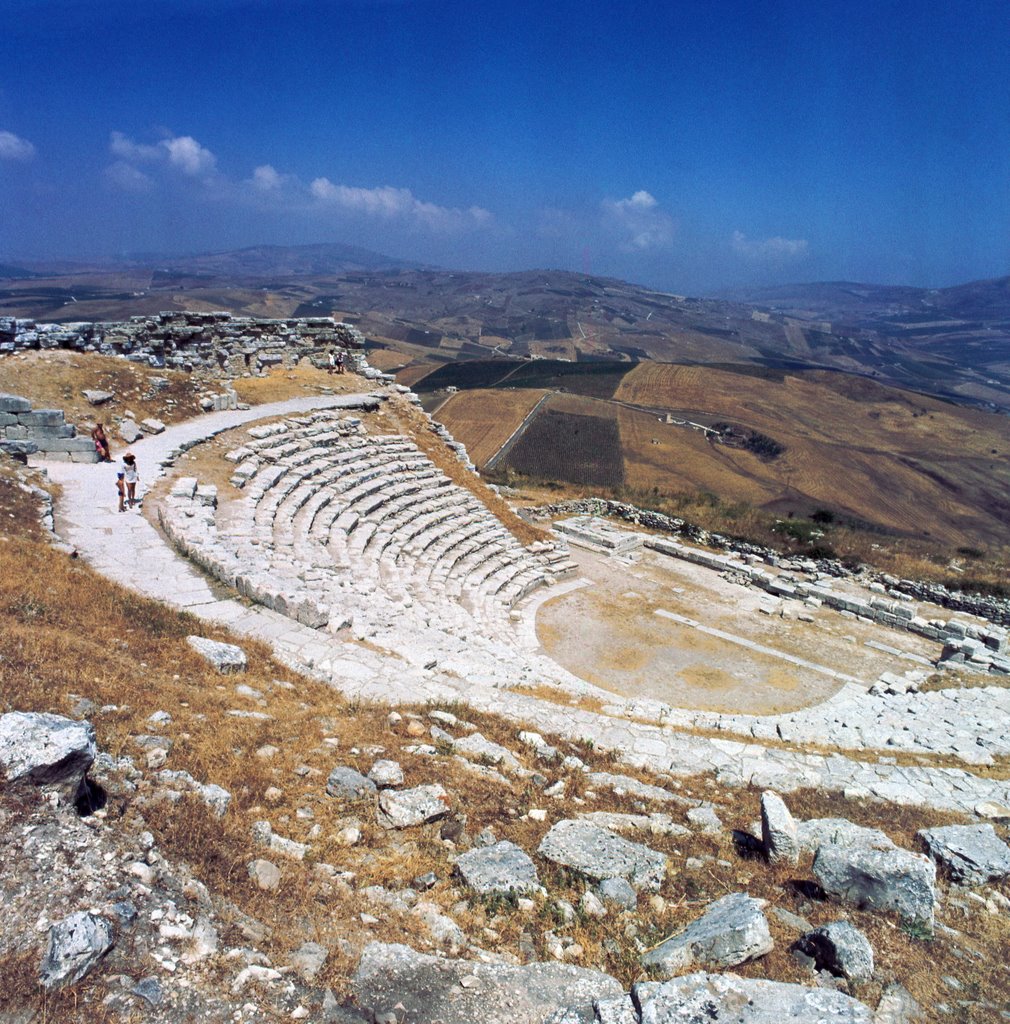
(952, 342)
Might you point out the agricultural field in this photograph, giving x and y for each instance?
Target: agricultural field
(487, 419)
(597, 378)
(565, 446)
(896, 462)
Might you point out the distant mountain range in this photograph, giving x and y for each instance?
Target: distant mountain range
(951, 342)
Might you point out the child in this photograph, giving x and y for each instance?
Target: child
(127, 478)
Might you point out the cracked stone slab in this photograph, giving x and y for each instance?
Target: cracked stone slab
(503, 867)
(599, 854)
(973, 854)
(732, 931)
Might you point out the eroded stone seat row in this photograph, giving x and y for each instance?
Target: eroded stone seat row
(329, 513)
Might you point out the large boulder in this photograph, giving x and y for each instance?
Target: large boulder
(75, 945)
(712, 998)
(503, 867)
(973, 854)
(598, 854)
(839, 948)
(46, 750)
(818, 832)
(417, 989)
(892, 879)
(732, 931)
(778, 830)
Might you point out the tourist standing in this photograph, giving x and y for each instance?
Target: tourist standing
(127, 479)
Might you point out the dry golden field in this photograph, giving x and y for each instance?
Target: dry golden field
(902, 463)
(485, 420)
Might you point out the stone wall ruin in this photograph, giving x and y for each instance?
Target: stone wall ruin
(218, 342)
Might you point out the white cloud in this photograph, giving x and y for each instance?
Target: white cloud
(132, 152)
(127, 177)
(181, 152)
(266, 178)
(776, 249)
(389, 203)
(13, 147)
(639, 221)
(185, 153)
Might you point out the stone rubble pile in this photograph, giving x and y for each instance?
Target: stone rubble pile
(855, 866)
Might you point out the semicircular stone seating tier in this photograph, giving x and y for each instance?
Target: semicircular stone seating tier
(330, 515)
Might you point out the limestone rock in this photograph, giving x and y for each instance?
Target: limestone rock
(401, 808)
(430, 988)
(129, 431)
(476, 747)
(386, 773)
(820, 832)
(265, 874)
(616, 1011)
(46, 750)
(732, 931)
(600, 854)
(443, 929)
(705, 819)
(973, 854)
(153, 426)
(96, 397)
(76, 944)
(224, 657)
(695, 998)
(503, 867)
(619, 891)
(882, 879)
(897, 1006)
(348, 784)
(839, 948)
(778, 830)
(308, 960)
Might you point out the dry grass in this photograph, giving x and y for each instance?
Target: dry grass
(399, 416)
(54, 379)
(65, 630)
(280, 384)
(911, 467)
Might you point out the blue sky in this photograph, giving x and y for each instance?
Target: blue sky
(691, 146)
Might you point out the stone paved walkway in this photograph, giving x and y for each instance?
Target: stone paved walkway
(128, 549)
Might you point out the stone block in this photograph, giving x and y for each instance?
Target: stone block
(725, 997)
(973, 854)
(14, 403)
(733, 930)
(598, 854)
(225, 658)
(503, 867)
(778, 830)
(404, 808)
(867, 878)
